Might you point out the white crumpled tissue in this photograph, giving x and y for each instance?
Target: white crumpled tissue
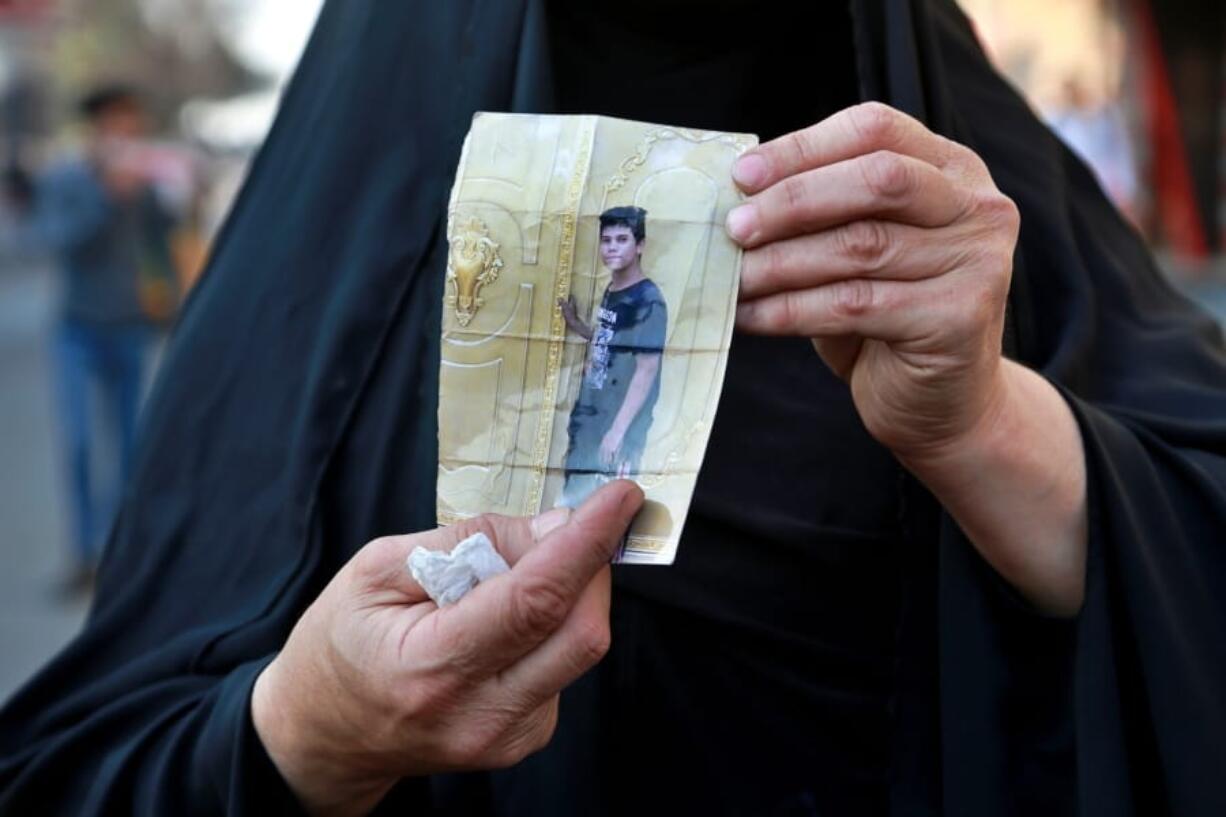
(448, 576)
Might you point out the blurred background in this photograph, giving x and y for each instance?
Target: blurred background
(206, 76)
(173, 97)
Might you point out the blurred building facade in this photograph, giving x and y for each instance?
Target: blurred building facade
(212, 94)
(1152, 72)
(1159, 66)
(196, 62)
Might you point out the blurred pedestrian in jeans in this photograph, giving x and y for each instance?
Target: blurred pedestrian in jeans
(99, 214)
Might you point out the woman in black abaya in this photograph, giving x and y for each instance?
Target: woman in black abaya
(830, 640)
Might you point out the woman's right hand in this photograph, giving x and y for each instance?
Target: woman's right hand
(376, 683)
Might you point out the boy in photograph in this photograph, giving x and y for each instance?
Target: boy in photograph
(621, 380)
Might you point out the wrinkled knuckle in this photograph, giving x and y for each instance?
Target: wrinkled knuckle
(538, 607)
(505, 757)
(472, 748)
(798, 145)
(543, 735)
(795, 194)
(789, 311)
(412, 701)
(981, 307)
(594, 641)
(524, 737)
(990, 300)
(515, 752)
(754, 269)
(1000, 279)
(999, 211)
(853, 298)
(771, 266)
(486, 523)
(371, 559)
(417, 697)
(973, 161)
(958, 156)
(866, 243)
(875, 123)
(889, 176)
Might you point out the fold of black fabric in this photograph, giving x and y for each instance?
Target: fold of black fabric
(222, 539)
(1131, 687)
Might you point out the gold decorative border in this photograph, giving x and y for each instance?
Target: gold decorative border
(441, 516)
(447, 518)
(557, 332)
(648, 545)
(739, 145)
(454, 198)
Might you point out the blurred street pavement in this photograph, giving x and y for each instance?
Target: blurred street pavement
(34, 621)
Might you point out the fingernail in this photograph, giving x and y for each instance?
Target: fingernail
(749, 171)
(548, 522)
(631, 501)
(742, 222)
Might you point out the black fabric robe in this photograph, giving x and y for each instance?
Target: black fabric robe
(295, 420)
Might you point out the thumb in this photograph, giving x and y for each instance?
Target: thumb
(508, 616)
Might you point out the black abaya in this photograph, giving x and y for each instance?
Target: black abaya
(295, 420)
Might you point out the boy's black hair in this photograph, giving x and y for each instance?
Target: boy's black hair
(103, 98)
(633, 218)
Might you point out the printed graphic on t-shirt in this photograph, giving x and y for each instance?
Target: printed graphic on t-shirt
(598, 366)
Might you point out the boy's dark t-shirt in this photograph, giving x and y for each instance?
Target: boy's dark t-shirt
(630, 322)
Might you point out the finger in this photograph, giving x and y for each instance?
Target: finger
(885, 310)
(381, 570)
(869, 248)
(853, 132)
(580, 644)
(506, 617)
(883, 185)
(382, 565)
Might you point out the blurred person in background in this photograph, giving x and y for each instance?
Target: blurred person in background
(99, 214)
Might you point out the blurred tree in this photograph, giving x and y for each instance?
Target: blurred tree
(174, 50)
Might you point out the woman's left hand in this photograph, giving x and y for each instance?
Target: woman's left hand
(893, 249)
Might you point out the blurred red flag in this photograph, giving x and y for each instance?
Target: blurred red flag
(1182, 222)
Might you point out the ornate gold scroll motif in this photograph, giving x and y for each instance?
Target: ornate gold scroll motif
(473, 262)
(619, 179)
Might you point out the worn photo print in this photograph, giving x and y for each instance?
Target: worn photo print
(588, 306)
